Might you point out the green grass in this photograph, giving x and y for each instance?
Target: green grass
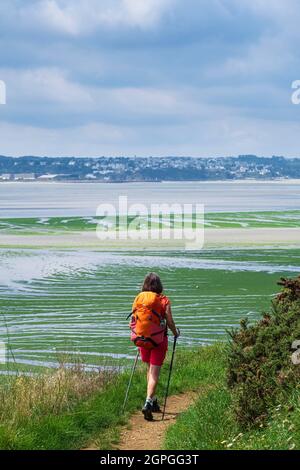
(205, 425)
(208, 424)
(98, 417)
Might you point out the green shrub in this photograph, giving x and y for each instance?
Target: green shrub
(260, 370)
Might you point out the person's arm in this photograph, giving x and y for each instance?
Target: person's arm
(170, 321)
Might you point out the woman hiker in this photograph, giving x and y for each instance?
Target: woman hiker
(151, 317)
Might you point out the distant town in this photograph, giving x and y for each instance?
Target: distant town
(151, 169)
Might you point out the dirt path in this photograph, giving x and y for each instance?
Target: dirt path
(148, 435)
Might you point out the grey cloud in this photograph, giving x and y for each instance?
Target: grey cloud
(145, 70)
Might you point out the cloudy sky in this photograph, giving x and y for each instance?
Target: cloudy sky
(149, 77)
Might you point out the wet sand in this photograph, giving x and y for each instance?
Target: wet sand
(234, 237)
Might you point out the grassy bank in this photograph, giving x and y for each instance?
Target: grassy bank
(96, 415)
(73, 412)
(210, 425)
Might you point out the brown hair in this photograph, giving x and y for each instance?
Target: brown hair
(152, 283)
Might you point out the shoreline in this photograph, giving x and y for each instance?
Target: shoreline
(217, 181)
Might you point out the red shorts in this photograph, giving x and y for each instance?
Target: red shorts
(155, 356)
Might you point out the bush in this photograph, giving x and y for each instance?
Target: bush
(260, 370)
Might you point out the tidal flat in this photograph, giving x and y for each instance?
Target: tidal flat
(71, 305)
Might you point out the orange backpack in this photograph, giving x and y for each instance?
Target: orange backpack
(148, 326)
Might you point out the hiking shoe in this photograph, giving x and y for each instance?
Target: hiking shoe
(147, 411)
(156, 407)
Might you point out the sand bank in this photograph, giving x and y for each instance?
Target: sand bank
(234, 237)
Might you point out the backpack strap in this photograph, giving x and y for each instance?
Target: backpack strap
(152, 310)
(157, 314)
(130, 314)
(145, 340)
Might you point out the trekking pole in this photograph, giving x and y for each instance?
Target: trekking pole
(169, 378)
(130, 380)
